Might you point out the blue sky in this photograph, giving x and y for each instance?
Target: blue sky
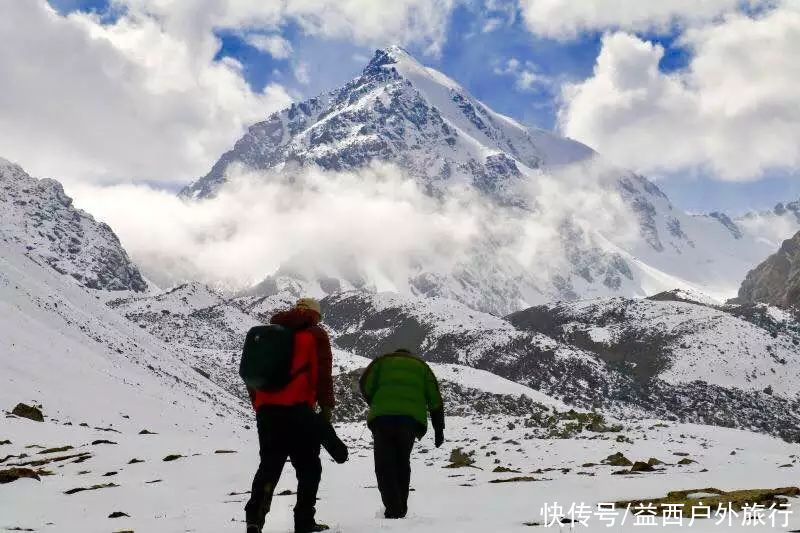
(477, 60)
(468, 56)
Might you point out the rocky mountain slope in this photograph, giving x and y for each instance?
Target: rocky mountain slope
(776, 281)
(37, 217)
(145, 351)
(639, 363)
(670, 357)
(63, 348)
(788, 208)
(90, 370)
(677, 341)
(206, 331)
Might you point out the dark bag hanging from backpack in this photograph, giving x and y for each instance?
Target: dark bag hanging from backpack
(267, 357)
(327, 436)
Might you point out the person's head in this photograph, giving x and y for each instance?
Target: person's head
(309, 304)
(405, 351)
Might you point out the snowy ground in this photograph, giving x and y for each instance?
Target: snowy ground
(205, 491)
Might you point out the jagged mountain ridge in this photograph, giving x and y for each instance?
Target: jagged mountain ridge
(37, 216)
(204, 329)
(399, 111)
(789, 208)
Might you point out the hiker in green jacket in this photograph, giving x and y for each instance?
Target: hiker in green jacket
(400, 389)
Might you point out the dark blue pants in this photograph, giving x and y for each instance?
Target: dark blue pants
(393, 441)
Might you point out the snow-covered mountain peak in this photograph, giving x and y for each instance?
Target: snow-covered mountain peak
(412, 117)
(397, 59)
(473, 118)
(391, 55)
(401, 112)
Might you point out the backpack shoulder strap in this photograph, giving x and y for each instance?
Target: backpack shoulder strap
(306, 367)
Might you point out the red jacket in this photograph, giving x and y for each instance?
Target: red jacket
(311, 346)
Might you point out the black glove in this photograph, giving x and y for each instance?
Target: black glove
(438, 437)
(326, 412)
(328, 437)
(437, 419)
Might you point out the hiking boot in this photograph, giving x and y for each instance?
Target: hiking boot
(252, 528)
(310, 528)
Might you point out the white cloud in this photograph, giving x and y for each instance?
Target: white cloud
(366, 22)
(568, 18)
(318, 215)
(274, 45)
(525, 76)
(492, 24)
(301, 73)
(377, 223)
(84, 100)
(499, 13)
(142, 97)
(527, 79)
(734, 110)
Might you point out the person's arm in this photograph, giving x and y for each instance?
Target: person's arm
(433, 397)
(325, 396)
(366, 383)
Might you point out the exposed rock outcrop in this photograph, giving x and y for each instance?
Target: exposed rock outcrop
(776, 281)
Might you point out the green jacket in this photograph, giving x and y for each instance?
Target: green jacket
(400, 383)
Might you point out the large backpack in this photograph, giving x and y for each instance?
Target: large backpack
(267, 357)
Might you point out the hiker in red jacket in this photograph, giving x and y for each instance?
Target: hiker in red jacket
(286, 421)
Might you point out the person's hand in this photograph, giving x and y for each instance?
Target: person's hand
(438, 438)
(326, 412)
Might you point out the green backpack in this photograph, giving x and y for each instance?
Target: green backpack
(267, 357)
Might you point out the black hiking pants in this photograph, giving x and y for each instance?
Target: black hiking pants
(393, 441)
(286, 432)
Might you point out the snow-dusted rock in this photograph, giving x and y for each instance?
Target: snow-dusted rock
(37, 216)
(776, 281)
